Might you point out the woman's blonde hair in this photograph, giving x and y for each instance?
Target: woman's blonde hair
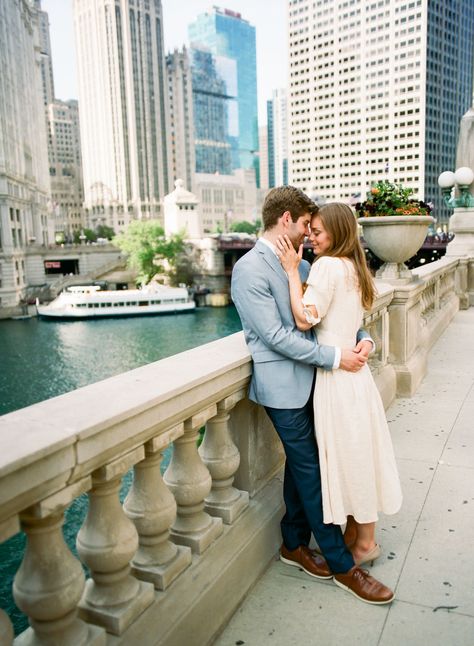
(341, 226)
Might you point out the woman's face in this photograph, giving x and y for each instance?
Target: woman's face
(319, 238)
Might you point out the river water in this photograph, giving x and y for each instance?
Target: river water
(42, 359)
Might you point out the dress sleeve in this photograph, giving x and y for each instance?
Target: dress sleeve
(320, 291)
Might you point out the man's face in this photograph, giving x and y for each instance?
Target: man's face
(297, 231)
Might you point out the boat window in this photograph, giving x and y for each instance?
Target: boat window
(142, 303)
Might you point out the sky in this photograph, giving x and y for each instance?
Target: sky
(267, 16)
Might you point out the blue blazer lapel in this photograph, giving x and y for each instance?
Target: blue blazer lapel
(272, 260)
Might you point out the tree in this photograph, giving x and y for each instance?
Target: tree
(104, 231)
(149, 251)
(245, 227)
(90, 236)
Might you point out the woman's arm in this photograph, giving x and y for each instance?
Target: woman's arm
(305, 316)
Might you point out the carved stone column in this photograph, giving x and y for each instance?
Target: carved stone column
(106, 543)
(222, 458)
(50, 581)
(190, 482)
(152, 507)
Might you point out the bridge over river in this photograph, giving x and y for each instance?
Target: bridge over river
(175, 561)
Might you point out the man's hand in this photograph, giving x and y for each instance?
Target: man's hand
(364, 347)
(352, 361)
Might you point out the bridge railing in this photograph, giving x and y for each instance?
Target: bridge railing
(176, 558)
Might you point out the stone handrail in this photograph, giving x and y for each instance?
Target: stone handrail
(210, 525)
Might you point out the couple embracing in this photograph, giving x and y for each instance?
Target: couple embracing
(340, 468)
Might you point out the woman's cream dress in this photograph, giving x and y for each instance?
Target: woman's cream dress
(358, 471)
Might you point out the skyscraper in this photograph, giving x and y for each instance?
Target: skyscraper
(277, 128)
(65, 167)
(123, 106)
(231, 38)
(24, 179)
(211, 114)
(271, 145)
(377, 91)
(181, 117)
(45, 52)
(64, 151)
(263, 157)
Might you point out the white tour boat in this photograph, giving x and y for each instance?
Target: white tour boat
(80, 302)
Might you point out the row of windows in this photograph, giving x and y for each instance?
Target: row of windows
(131, 303)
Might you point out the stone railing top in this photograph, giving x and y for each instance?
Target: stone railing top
(434, 269)
(59, 441)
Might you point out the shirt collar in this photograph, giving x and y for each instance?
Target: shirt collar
(269, 244)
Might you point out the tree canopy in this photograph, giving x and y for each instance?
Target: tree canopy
(245, 227)
(148, 250)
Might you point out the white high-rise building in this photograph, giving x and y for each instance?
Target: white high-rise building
(65, 167)
(280, 136)
(46, 58)
(277, 115)
(123, 106)
(181, 117)
(263, 156)
(377, 90)
(24, 177)
(64, 151)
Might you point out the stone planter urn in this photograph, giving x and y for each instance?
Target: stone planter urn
(395, 239)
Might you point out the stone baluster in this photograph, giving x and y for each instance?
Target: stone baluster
(106, 543)
(222, 458)
(6, 629)
(50, 580)
(152, 507)
(190, 482)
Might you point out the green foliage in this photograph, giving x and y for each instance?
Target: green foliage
(90, 236)
(149, 251)
(245, 227)
(385, 198)
(103, 231)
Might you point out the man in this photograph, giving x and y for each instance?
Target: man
(284, 361)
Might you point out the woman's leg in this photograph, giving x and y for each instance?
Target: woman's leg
(365, 541)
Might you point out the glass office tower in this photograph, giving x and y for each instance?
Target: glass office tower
(449, 84)
(211, 113)
(231, 40)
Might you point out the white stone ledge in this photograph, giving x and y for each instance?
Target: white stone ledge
(65, 438)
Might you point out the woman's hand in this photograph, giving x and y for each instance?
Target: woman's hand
(289, 258)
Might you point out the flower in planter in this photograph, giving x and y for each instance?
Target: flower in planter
(385, 198)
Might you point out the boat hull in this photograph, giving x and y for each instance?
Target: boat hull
(115, 312)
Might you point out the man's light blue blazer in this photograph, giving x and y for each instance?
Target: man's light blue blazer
(284, 357)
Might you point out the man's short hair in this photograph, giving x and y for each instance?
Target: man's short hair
(286, 198)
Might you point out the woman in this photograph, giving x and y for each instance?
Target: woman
(358, 470)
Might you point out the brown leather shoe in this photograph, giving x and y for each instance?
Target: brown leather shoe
(307, 560)
(363, 586)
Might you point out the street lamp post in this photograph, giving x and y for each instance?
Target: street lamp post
(463, 177)
(461, 223)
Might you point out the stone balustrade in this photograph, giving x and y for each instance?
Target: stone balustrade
(176, 558)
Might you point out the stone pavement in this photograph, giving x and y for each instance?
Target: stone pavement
(428, 547)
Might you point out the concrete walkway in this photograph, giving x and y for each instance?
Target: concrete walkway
(428, 547)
